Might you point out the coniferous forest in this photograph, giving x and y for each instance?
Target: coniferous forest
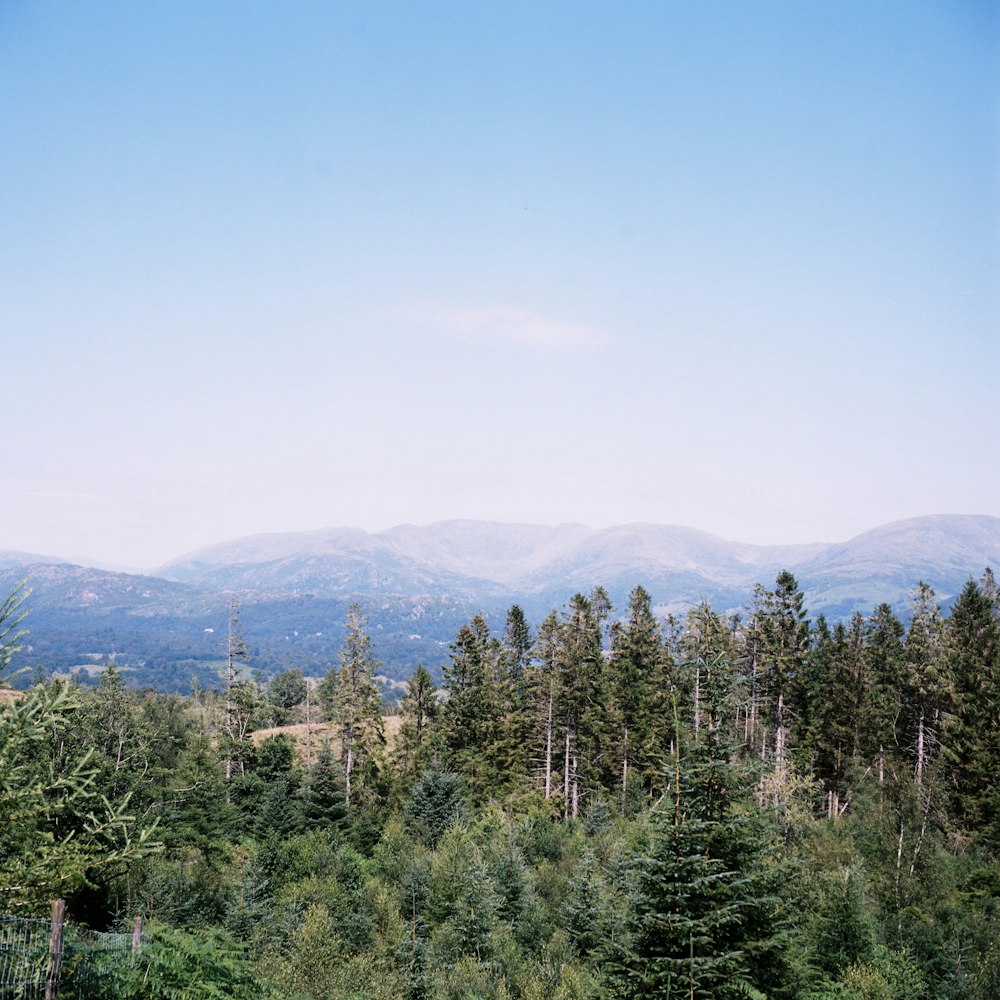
(600, 804)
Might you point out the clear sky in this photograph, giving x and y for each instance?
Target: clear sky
(281, 266)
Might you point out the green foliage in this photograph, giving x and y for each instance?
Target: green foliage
(177, 965)
(323, 793)
(351, 700)
(706, 918)
(603, 851)
(974, 666)
(287, 691)
(12, 615)
(60, 830)
(417, 740)
(436, 802)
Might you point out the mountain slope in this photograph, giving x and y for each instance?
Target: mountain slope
(486, 561)
(419, 584)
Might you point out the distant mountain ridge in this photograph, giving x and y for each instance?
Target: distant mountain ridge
(420, 583)
(482, 559)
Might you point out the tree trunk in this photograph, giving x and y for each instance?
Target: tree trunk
(548, 749)
(919, 770)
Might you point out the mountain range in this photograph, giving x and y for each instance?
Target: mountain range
(420, 583)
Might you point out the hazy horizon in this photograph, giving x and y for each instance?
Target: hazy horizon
(268, 268)
(95, 561)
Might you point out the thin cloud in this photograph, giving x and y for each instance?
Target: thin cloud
(519, 327)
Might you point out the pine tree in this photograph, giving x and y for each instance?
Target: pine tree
(542, 692)
(925, 685)
(472, 717)
(706, 920)
(419, 708)
(635, 676)
(324, 800)
(582, 700)
(234, 740)
(885, 656)
(974, 741)
(785, 630)
(353, 703)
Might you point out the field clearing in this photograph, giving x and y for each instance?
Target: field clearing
(299, 733)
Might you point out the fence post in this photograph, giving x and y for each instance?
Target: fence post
(136, 938)
(55, 948)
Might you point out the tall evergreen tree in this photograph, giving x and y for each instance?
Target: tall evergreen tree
(831, 705)
(353, 703)
(974, 741)
(635, 677)
(925, 687)
(472, 717)
(707, 920)
(542, 693)
(583, 700)
(704, 637)
(516, 644)
(885, 657)
(785, 631)
(419, 708)
(750, 664)
(324, 800)
(237, 721)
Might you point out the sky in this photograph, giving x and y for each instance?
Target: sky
(284, 266)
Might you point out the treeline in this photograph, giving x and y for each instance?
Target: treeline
(604, 804)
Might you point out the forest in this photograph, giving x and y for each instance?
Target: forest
(600, 804)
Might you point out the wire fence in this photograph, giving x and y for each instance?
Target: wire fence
(55, 960)
(26, 965)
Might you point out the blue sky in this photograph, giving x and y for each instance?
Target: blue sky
(272, 267)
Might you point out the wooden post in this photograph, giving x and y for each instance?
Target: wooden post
(136, 938)
(55, 948)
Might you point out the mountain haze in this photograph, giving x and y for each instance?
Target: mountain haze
(419, 584)
(479, 560)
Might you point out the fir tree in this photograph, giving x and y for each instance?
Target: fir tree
(925, 685)
(435, 803)
(415, 743)
(324, 805)
(885, 656)
(706, 920)
(974, 742)
(785, 631)
(351, 698)
(635, 678)
(473, 719)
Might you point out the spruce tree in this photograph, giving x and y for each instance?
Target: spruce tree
(351, 697)
(542, 692)
(436, 802)
(974, 740)
(925, 688)
(419, 708)
(634, 670)
(324, 800)
(583, 700)
(785, 630)
(885, 656)
(706, 919)
(472, 716)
